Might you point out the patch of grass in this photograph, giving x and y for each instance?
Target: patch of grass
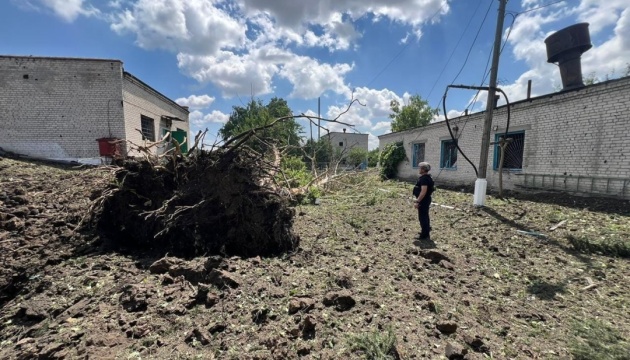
(376, 345)
(595, 340)
(611, 246)
(556, 216)
(355, 222)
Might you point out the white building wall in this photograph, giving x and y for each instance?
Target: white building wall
(575, 141)
(344, 142)
(141, 100)
(56, 108)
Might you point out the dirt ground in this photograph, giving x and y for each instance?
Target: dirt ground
(479, 289)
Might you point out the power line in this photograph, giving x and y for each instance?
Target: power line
(473, 43)
(453, 52)
(404, 48)
(539, 7)
(486, 72)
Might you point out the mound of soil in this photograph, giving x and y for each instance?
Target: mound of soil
(207, 203)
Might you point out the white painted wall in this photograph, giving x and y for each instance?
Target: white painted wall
(56, 107)
(583, 133)
(139, 99)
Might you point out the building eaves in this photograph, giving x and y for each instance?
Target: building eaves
(152, 90)
(512, 104)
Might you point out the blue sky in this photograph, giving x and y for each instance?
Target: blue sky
(214, 54)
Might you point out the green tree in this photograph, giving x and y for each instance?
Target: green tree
(373, 157)
(321, 149)
(415, 114)
(356, 156)
(256, 114)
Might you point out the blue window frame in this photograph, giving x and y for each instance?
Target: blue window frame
(417, 151)
(513, 158)
(448, 154)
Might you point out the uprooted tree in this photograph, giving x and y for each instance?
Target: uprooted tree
(230, 200)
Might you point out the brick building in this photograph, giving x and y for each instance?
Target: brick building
(574, 140)
(57, 108)
(343, 142)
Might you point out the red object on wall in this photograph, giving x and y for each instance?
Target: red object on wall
(109, 147)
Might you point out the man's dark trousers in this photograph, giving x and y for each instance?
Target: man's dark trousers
(423, 216)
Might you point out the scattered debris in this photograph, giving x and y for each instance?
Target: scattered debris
(561, 223)
(531, 233)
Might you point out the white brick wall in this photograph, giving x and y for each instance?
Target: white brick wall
(583, 133)
(57, 108)
(141, 100)
(344, 142)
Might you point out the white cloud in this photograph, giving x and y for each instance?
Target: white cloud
(531, 29)
(241, 46)
(217, 117)
(373, 108)
(68, 10)
(199, 119)
(196, 101)
(334, 17)
(233, 74)
(189, 26)
(387, 125)
(311, 78)
(372, 141)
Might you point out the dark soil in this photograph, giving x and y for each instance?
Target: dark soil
(206, 203)
(478, 289)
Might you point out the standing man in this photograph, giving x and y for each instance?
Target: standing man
(422, 192)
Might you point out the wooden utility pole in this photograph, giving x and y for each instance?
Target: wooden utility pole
(481, 183)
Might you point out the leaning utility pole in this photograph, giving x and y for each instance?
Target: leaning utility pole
(481, 183)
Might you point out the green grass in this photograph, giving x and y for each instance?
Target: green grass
(609, 245)
(595, 340)
(375, 345)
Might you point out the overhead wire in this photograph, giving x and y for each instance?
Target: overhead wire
(540, 7)
(404, 48)
(473, 43)
(486, 73)
(453, 51)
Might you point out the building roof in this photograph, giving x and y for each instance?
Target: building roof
(155, 92)
(58, 58)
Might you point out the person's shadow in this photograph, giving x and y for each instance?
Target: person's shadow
(424, 243)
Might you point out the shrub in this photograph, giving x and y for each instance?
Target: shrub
(376, 345)
(373, 158)
(295, 171)
(393, 154)
(357, 156)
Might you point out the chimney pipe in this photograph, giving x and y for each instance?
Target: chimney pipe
(566, 47)
(529, 89)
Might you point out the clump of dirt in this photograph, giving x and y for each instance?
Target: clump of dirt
(207, 203)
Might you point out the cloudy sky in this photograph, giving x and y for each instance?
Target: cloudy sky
(215, 54)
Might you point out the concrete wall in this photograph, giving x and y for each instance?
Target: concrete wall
(344, 142)
(575, 141)
(141, 100)
(56, 107)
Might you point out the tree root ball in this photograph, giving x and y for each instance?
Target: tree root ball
(215, 202)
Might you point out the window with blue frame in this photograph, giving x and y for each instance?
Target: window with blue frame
(448, 154)
(417, 151)
(513, 157)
